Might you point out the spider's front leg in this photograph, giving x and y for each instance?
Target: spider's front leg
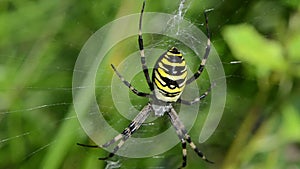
(134, 90)
(206, 53)
(142, 52)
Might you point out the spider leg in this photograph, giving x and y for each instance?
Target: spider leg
(183, 142)
(127, 132)
(183, 135)
(90, 146)
(184, 153)
(142, 52)
(107, 144)
(119, 145)
(134, 90)
(201, 97)
(176, 124)
(194, 147)
(206, 54)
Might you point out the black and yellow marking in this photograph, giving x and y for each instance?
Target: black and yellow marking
(169, 76)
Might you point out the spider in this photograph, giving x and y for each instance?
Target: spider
(169, 79)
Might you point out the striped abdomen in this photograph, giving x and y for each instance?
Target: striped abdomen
(169, 76)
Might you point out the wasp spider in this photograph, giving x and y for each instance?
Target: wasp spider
(169, 79)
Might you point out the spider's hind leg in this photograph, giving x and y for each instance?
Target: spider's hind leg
(183, 136)
(127, 132)
(195, 148)
(107, 144)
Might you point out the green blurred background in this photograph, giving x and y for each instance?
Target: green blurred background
(258, 42)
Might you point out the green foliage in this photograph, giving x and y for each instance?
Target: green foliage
(250, 47)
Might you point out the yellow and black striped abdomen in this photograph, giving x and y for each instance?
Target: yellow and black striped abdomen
(169, 76)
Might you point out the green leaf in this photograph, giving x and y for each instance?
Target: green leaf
(292, 3)
(249, 46)
(291, 124)
(293, 48)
